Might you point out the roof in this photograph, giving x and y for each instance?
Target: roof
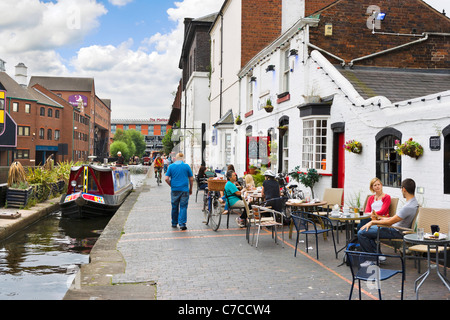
(63, 83)
(13, 89)
(397, 84)
(227, 119)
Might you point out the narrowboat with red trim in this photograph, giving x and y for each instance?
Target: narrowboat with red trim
(95, 191)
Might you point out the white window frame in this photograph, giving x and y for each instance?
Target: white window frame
(315, 142)
(286, 70)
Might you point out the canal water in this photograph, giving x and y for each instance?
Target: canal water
(41, 261)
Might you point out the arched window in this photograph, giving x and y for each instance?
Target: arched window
(50, 112)
(42, 111)
(49, 134)
(389, 163)
(41, 133)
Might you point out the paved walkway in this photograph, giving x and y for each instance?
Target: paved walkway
(200, 264)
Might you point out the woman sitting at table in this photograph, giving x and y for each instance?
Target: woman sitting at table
(234, 197)
(271, 190)
(377, 204)
(202, 178)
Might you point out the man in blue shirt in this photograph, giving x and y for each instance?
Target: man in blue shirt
(180, 178)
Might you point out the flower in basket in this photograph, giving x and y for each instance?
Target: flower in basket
(409, 148)
(268, 105)
(353, 146)
(238, 120)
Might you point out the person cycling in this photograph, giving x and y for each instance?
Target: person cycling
(159, 164)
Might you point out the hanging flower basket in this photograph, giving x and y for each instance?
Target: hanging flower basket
(283, 129)
(410, 148)
(353, 146)
(268, 107)
(238, 120)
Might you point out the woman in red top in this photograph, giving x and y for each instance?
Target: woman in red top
(378, 203)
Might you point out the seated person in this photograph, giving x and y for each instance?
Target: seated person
(234, 197)
(367, 235)
(202, 178)
(249, 182)
(271, 190)
(378, 203)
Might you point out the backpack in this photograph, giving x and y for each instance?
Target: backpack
(353, 245)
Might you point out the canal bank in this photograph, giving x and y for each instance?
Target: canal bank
(94, 281)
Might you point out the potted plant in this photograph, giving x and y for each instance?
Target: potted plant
(252, 169)
(19, 192)
(238, 120)
(268, 107)
(410, 148)
(283, 129)
(307, 179)
(353, 146)
(312, 96)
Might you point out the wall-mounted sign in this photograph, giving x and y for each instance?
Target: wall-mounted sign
(78, 101)
(435, 143)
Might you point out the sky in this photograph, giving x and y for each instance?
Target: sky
(131, 48)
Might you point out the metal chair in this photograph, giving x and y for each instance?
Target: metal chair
(200, 183)
(303, 221)
(366, 267)
(268, 222)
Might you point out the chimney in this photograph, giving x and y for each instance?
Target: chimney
(22, 75)
(2, 66)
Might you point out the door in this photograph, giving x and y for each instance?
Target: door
(338, 180)
(447, 164)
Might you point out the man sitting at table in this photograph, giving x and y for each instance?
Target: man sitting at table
(271, 191)
(367, 235)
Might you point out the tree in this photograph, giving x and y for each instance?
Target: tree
(125, 137)
(121, 146)
(138, 140)
(167, 142)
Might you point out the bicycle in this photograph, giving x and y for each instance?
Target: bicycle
(291, 191)
(158, 176)
(211, 205)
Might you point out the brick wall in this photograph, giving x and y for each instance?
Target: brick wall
(352, 39)
(261, 24)
(312, 6)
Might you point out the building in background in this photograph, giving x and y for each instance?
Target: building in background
(153, 129)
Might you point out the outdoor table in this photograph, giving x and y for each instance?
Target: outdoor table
(308, 206)
(430, 243)
(349, 221)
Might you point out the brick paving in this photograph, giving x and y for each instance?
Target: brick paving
(200, 264)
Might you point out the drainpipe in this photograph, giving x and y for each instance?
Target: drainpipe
(388, 50)
(221, 64)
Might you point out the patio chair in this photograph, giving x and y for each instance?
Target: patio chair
(393, 207)
(269, 221)
(426, 218)
(332, 196)
(366, 267)
(201, 185)
(308, 223)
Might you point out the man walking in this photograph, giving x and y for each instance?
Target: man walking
(180, 178)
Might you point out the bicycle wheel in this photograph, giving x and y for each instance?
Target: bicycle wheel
(215, 215)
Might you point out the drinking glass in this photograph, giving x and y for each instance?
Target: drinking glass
(420, 232)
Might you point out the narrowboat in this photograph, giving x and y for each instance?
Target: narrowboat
(95, 191)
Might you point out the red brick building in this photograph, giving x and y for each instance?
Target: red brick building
(55, 116)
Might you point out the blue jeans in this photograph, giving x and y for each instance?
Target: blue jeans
(367, 238)
(179, 200)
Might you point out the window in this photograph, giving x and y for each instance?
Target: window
(389, 163)
(314, 143)
(286, 152)
(27, 108)
(286, 71)
(42, 111)
(228, 148)
(57, 114)
(49, 134)
(41, 133)
(15, 107)
(57, 135)
(22, 154)
(251, 85)
(50, 112)
(23, 131)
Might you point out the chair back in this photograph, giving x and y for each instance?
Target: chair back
(433, 216)
(393, 207)
(333, 196)
(365, 203)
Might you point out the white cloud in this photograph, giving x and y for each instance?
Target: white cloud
(120, 3)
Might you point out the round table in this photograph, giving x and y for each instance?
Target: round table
(430, 243)
(349, 221)
(308, 206)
